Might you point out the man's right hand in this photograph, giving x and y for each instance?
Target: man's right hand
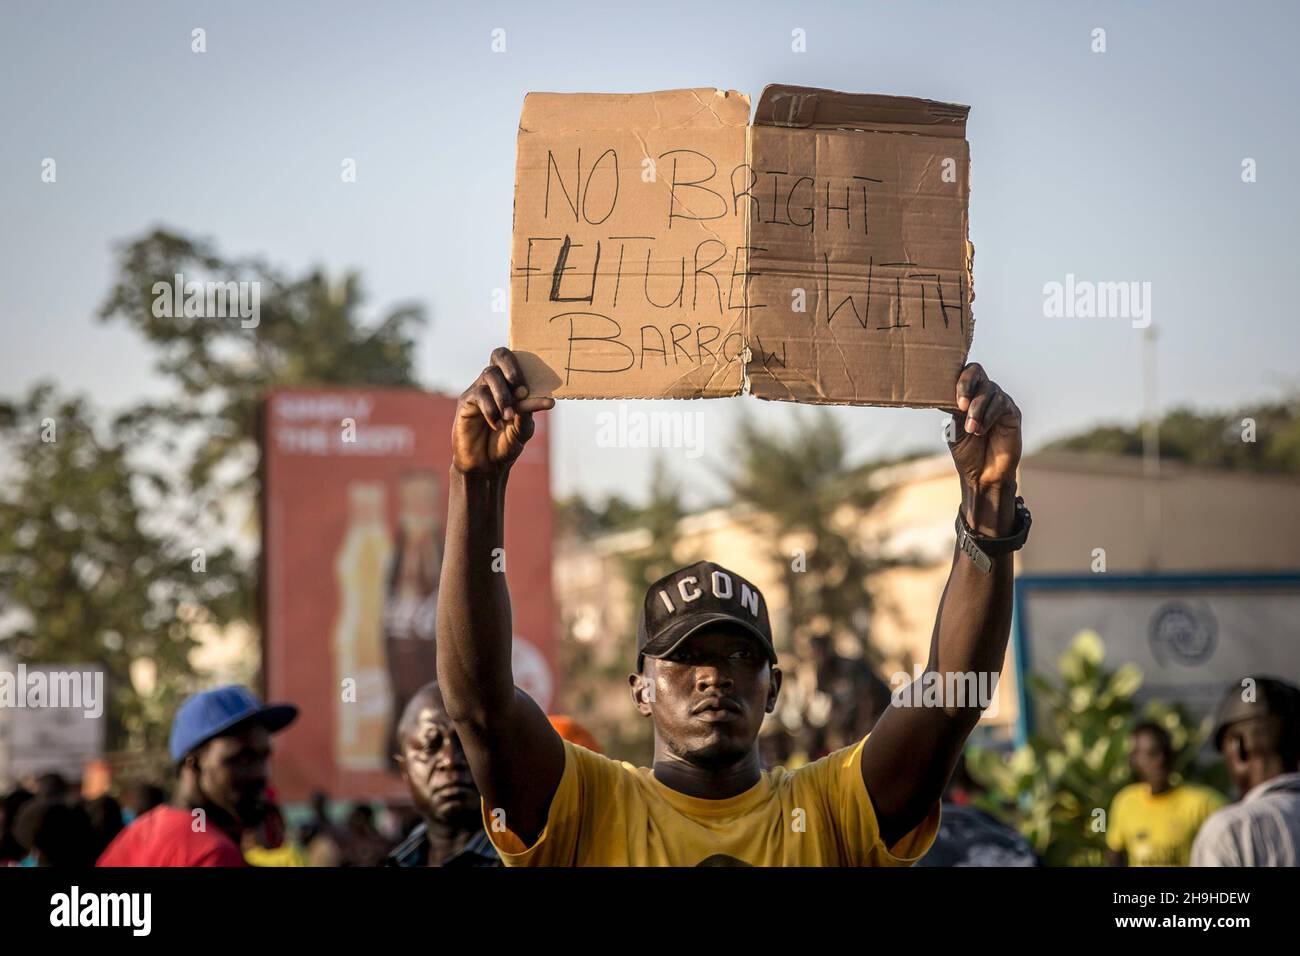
(494, 418)
(515, 754)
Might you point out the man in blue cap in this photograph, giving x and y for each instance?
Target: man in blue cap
(221, 742)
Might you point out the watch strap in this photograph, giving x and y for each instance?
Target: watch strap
(982, 549)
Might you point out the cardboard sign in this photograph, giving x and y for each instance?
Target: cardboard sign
(665, 248)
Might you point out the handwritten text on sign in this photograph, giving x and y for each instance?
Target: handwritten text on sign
(667, 261)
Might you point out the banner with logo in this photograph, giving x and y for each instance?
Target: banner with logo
(51, 719)
(354, 511)
(1191, 635)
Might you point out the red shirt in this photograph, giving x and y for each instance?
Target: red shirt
(165, 837)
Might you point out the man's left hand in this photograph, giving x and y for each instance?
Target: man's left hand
(987, 445)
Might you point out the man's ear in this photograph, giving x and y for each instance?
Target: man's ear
(642, 692)
(773, 690)
(401, 766)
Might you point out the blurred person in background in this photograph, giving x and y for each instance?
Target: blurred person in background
(11, 851)
(1153, 821)
(139, 798)
(436, 773)
(775, 744)
(221, 742)
(322, 839)
(365, 845)
(268, 843)
(52, 786)
(55, 832)
(105, 817)
(572, 731)
(857, 694)
(970, 836)
(1258, 733)
(320, 822)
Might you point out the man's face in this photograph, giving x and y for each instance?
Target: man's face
(1249, 749)
(232, 773)
(434, 767)
(1150, 763)
(710, 695)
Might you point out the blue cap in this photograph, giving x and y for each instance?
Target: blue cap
(212, 712)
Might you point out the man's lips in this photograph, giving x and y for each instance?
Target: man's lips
(719, 709)
(453, 788)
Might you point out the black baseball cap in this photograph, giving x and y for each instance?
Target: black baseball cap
(697, 596)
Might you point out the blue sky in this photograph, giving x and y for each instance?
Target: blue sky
(1123, 165)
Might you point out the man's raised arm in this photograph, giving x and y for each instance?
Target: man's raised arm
(515, 755)
(911, 753)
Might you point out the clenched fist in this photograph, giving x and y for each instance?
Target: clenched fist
(987, 443)
(494, 419)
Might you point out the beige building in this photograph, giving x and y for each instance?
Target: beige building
(1091, 513)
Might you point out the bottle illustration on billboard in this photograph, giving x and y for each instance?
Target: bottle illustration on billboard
(411, 608)
(362, 566)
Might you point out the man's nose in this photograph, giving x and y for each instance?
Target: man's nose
(451, 756)
(712, 675)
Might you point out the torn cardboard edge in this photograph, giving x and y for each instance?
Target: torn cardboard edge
(901, 341)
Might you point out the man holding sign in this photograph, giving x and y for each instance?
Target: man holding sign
(705, 675)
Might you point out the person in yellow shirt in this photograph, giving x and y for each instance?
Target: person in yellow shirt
(1153, 822)
(706, 674)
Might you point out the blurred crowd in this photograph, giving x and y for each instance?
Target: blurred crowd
(220, 811)
(50, 824)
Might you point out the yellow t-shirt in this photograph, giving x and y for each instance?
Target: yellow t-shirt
(1159, 830)
(286, 855)
(610, 813)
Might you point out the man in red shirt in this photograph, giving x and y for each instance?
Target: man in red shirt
(221, 741)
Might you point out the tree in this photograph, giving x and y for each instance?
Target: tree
(659, 517)
(1263, 438)
(100, 526)
(577, 516)
(308, 333)
(87, 577)
(803, 480)
(1058, 787)
(587, 673)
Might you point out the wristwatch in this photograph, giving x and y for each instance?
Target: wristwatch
(982, 550)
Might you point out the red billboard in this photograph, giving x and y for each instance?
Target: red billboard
(354, 488)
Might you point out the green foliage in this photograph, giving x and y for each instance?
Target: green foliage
(309, 333)
(97, 529)
(1051, 787)
(659, 516)
(1208, 439)
(86, 576)
(580, 517)
(802, 479)
(586, 678)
